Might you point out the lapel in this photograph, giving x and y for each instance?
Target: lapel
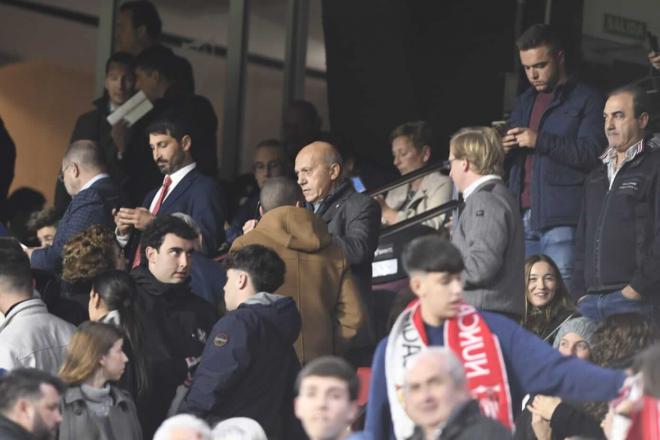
(179, 190)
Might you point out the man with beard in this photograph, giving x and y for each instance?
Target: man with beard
(184, 189)
(29, 405)
(176, 320)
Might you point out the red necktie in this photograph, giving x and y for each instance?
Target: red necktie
(166, 185)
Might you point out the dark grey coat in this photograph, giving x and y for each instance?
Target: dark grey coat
(490, 236)
(78, 423)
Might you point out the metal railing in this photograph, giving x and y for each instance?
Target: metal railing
(424, 216)
(419, 218)
(410, 177)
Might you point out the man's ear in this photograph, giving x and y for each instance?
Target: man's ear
(76, 169)
(335, 171)
(643, 120)
(186, 142)
(561, 57)
(415, 283)
(141, 32)
(242, 280)
(261, 210)
(151, 254)
(354, 410)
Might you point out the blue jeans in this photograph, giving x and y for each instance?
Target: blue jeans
(557, 243)
(599, 306)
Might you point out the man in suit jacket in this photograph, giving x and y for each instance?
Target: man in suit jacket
(184, 188)
(94, 195)
(489, 231)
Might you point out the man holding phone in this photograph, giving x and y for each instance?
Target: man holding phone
(554, 140)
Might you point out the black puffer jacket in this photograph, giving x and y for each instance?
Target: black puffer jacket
(176, 324)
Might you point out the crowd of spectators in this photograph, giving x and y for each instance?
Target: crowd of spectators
(150, 303)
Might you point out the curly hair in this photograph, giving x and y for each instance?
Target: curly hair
(89, 253)
(621, 337)
(616, 343)
(539, 320)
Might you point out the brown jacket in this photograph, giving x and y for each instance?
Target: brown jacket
(318, 278)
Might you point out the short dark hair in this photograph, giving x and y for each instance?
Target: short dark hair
(540, 35)
(641, 100)
(15, 272)
(331, 366)
(144, 13)
(264, 267)
(160, 59)
(171, 123)
(124, 58)
(279, 191)
(86, 153)
(25, 383)
(42, 219)
(431, 253)
(155, 232)
(417, 132)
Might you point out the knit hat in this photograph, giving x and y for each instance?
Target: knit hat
(582, 326)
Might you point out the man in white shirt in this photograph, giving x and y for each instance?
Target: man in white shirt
(184, 189)
(489, 231)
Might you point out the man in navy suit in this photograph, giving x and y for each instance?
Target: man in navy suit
(184, 189)
(94, 195)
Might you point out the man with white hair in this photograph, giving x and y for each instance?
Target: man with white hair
(436, 398)
(183, 427)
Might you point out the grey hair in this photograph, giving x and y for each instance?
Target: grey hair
(189, 221)
(333, 156)
(453, 366)
(239, 428)
(183, 421)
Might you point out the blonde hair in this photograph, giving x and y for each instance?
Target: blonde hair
(88, 344)
(482, 147)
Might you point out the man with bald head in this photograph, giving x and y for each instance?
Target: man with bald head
(353, 219)
(94, 195)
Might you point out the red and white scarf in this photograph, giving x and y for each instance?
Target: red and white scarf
(478, 349)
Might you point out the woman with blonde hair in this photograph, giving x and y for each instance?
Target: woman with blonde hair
(92, 407)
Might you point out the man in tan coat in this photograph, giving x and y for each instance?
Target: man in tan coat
(318, 276)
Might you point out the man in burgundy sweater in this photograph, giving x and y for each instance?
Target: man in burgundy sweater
(554, 140)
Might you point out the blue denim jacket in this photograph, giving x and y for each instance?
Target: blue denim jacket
(571, 137)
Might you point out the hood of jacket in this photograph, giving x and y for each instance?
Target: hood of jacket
(145, 280)
(295, 228)
(279, 311)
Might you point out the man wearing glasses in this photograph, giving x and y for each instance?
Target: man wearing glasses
(94, 195)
